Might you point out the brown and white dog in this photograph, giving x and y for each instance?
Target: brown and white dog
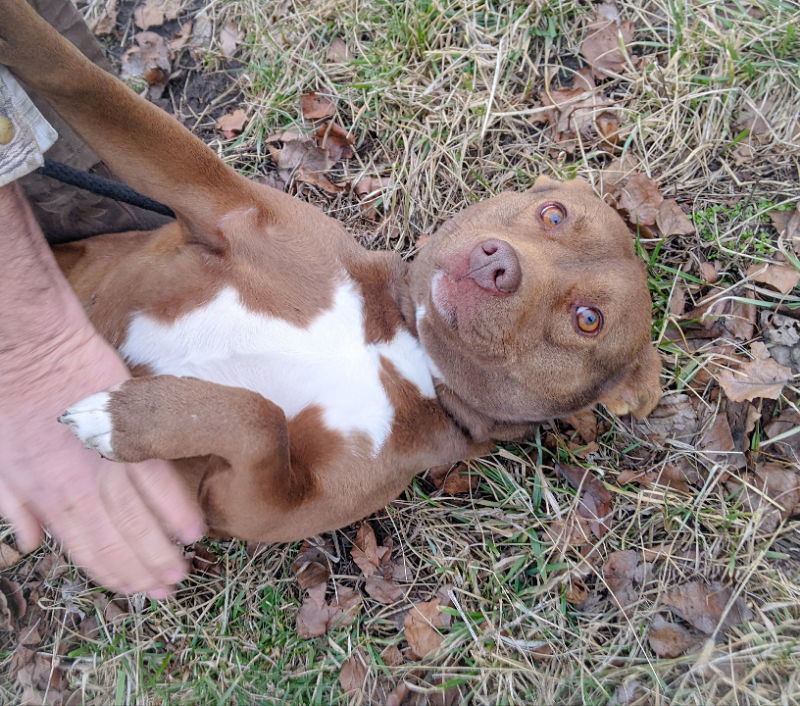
(299, 381)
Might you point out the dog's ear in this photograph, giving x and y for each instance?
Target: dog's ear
(639, 391)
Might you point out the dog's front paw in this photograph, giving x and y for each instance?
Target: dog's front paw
(90, 421)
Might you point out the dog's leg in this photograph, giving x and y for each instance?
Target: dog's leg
(169, 417)
(141, 143)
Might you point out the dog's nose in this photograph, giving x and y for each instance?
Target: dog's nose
(494, 266)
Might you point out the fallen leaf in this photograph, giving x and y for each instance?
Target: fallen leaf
(571, 533)
(640, 198)
(677, 476)
(596, 501)
(320, 180)
(788, 422)
(453, 479)
(398, 695)
(315, 106)
(149, 60)
(420, 626)
(753, 118)
(576, 592)
(12, 604)
(760, 377)
(344, 608)
(670, 639)
(338, 51)
(365, 552)
(703, 606)
(604, 36)
(310, 567)
(677, 300)
(709, 271)
(312, 618)
(202, 33)
(153, 13)
(580, 110)
(106, 21)
(383, 590)
(675, 417)
(336, 140)
(204, 561)
(787, 223)
(623, 572)
(778, 276)
(353, 674)
(300, 153)
(666, 551)
(721, 316)
(717, 442)
(585, 423)
(392, 656)
(179, 39)
(232, 124)
(8, 556)
(369, 189)
(40, 680)
(772, 494)
(671, 220)
(230, 37)
(613, 176)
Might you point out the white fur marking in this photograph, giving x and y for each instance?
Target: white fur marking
(327, 364)
(90, 421)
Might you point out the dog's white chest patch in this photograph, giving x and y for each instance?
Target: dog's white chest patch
(327, 364)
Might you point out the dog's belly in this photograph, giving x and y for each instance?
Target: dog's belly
(327, 364)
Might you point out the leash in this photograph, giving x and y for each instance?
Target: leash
(101, 186)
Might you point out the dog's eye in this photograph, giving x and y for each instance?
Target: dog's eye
(588, 319)
(552, 214)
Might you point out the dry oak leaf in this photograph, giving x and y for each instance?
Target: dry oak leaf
(709, 271)
(677, 476)
(577, 110)
(420, 626)
(310, 567)
(596, 501)
(153, 13)
(760, 377)
(334, 138)
(313, 616)
(670, 639)
(779, 276)
(353, 674)
(585, 423)
(703, 606)
(675, 417)
(771, 495)
(230, 37)
(202, 33)
(640, 198)
(382, 589)
(671, 220)
(179, 39)
(572, 533)
(365, 552)
(232, 124)
(787, 223)
(338, 51)
(300, 153)
(12, 605)
(453, 479)
(316, 106)
(725, 315)
(149, 60)
(106, 21)
(369, 189)
(8, 556)
(604, 37)
(623, 571)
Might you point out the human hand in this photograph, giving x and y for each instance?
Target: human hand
(117, 521)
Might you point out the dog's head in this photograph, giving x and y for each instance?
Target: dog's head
(535, 305)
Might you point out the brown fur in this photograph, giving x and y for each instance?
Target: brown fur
(507, 361)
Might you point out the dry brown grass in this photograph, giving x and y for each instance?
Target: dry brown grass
(441, 96)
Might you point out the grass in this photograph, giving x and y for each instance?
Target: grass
(441, 96)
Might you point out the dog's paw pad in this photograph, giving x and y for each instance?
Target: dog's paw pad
(90, 421)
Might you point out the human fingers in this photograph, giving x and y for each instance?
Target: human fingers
(141, 528)
(167, 496)
(93, 541)
(27, 529)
